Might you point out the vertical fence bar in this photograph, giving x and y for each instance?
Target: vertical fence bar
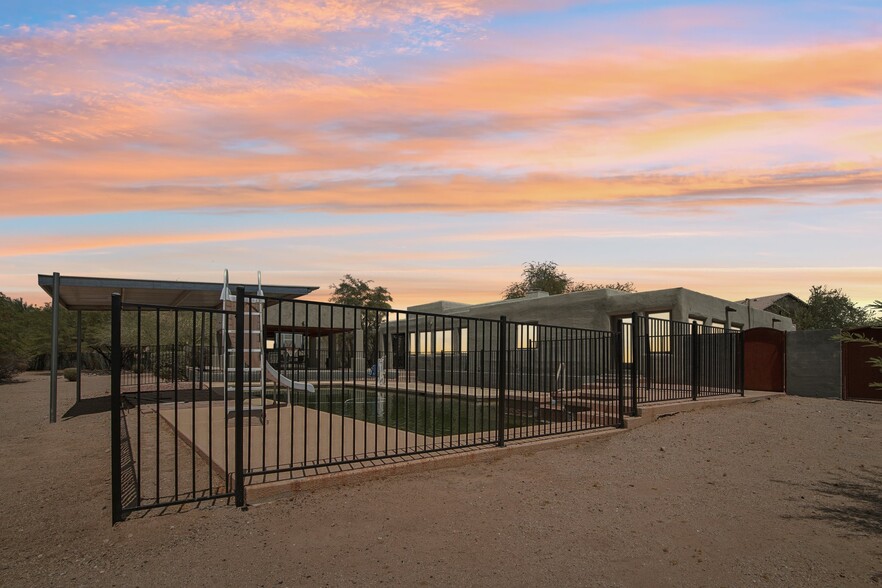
(619, 344)
(115, 408)
(211, 393)
(174, 375)
(79, 354)
(53, 359)
(193, 409)
(502, 349)
(158, 361)
(741, 362)
(696, 360)
(240, 394)
(635, 353)
(650, 330)
(138, 410)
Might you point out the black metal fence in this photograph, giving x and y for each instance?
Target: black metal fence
(205, 401)
(672, 360)
(354, 384)
(166, 453)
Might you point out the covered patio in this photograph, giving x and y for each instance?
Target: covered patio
(80, 293)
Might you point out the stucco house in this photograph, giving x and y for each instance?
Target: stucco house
(785, 304)
(599, 309)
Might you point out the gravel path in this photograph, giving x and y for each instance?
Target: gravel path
(784, 492)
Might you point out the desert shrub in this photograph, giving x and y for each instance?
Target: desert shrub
(10, 365)
(70, 374)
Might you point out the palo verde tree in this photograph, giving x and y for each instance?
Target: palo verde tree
(546, 276)
(829, 308)
(355, 292)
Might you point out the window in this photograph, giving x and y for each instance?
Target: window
(527, 336)
(626, 335)
(443, 341)
(659, 331)
(718, 325)
(426, 343)
(420, 343)
(463, 339)
(736, 327)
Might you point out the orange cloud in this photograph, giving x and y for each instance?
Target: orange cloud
(647, 125)
(484, 284)
(234, 23)
(38, 245)
(785, 185)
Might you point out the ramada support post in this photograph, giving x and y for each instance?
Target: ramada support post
(53, 360)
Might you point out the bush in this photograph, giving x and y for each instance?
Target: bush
(70, 374)
(10, 365)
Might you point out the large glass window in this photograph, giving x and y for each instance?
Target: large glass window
(420, 343)
(527, 336)
(626, 335)
(659, 331)
(431, 342)
(443, 341)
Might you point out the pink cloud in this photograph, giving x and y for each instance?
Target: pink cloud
(233, 23)
(674, 129)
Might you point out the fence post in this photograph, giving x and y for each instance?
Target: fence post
(741, 361)
(115, 408)
(79, 355)
(53, 360)
(696, 360)
(240, 394)
(635, 353)
(619, 343)
(501, 378)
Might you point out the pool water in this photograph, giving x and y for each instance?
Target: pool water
(409, 411)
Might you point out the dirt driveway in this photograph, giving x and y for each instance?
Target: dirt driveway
(784, 492)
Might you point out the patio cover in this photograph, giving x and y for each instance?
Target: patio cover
(88, 293)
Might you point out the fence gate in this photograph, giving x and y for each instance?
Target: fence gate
(168, 375)
(857, 373)
(764, 352)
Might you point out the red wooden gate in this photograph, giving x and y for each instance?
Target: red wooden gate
(764, 351)
(857, 374)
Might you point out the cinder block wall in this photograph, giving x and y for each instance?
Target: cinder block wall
(814, 364)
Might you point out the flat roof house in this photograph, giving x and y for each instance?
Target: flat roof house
(598, 309)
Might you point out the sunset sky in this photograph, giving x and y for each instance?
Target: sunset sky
(433, 147)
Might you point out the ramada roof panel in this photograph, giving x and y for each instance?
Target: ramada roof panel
(91, 293)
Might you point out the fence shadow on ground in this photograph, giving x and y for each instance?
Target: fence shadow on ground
(86, 406)
(847, 499)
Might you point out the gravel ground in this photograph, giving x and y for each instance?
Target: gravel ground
(783, 492)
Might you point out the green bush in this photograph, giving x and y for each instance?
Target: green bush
(10, 365)
(70, 374)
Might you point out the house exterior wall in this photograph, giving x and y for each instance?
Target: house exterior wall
(711, 308)
(787, 306)
(595, 308)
